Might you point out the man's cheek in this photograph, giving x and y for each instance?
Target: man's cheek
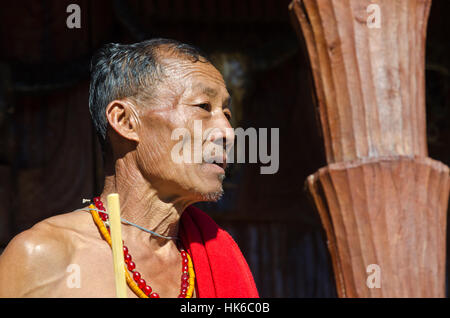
(152, 155)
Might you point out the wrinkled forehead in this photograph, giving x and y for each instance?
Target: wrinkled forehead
(200, 77)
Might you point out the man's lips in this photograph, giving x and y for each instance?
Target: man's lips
(220, 162)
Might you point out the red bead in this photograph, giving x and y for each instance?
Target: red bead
(184, 277)
(136, 276)
(183, 291)
(127, 258)
(185, 261)
(131, 266)
(183, 254)
(154, 295)
(141, 283)
(147, 290)
(181, 296)
(184, 285)
(185, 268)
(103, 216)
(96, 199)
(125, 250)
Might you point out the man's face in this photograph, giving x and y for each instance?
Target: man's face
(193, 95)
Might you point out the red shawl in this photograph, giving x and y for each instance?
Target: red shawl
(220, 268)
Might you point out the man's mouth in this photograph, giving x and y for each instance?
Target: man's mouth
(220, 162)
(223, 165)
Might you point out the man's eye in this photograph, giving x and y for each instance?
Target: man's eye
(228, 115)
(205, 106)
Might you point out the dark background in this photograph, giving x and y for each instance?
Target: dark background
(50, 158)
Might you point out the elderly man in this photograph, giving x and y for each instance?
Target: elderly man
(139, 95)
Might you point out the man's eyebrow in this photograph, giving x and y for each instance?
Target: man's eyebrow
(211, 92)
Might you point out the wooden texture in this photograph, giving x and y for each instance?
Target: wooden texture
(369, 82)
(390, 212)
(381, 199)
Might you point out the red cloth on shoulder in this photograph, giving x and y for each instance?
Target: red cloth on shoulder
(220, 268)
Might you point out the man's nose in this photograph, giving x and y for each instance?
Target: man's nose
(221, 131)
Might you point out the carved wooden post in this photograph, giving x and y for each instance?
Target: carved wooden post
(380, 198)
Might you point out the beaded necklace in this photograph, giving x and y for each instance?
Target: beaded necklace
(137, 284)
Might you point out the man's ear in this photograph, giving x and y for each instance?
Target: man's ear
(122, 117)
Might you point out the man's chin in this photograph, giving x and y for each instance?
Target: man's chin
(209, 189)
(211, 196)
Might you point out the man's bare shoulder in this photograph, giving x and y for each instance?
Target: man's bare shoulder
(39, 253)
(54, 234)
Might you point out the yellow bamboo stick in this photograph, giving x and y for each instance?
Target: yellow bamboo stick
(116, 244)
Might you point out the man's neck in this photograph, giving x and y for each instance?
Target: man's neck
(142, 204)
